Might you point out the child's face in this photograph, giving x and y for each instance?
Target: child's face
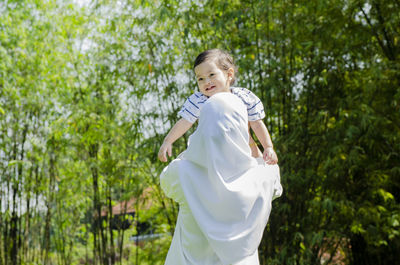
(211, 79)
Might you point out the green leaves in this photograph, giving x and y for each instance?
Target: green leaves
(87, 93)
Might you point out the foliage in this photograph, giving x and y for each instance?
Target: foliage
(89, 88)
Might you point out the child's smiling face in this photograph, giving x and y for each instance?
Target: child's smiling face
(211, 79)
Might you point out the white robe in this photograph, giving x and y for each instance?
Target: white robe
(223, 192)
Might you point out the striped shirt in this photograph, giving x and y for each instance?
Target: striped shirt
(191, 108)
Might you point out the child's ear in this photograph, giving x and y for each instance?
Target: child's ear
(231, 72)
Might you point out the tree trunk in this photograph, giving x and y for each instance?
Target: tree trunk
(110, 216)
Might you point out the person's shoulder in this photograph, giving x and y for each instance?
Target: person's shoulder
(254, 105)
(196, 99)
(191, 107)
(246, 95)
(240, 90)
(199, 95)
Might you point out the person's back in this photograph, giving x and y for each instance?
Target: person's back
(224, 194)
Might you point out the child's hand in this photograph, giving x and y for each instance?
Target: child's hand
(164, 149)
(270, 156)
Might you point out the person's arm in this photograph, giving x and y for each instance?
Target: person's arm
(255, 151)
(263, 136)
(179, 129)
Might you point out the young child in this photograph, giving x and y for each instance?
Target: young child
(215, 73)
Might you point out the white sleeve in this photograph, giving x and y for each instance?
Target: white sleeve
(190, 110)
(255, 107)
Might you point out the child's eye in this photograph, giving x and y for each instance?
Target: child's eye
(200, 79)
(211, 74)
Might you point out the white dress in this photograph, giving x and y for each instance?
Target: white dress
(224, 194)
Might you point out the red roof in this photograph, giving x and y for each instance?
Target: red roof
(128, 207)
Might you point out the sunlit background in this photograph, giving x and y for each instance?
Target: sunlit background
(88, 90)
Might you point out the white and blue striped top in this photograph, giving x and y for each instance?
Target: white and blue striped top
(191, 108)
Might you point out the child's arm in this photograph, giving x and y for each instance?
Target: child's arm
(263, 136)
(255, 151)
(177, 131)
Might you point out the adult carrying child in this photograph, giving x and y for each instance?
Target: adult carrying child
(224, 193)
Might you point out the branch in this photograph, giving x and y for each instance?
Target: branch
(381, 44)
(385, 33)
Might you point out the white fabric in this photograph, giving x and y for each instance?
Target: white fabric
(191, 109)
(224, 194)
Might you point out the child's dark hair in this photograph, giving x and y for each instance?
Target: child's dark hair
(222, 58)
